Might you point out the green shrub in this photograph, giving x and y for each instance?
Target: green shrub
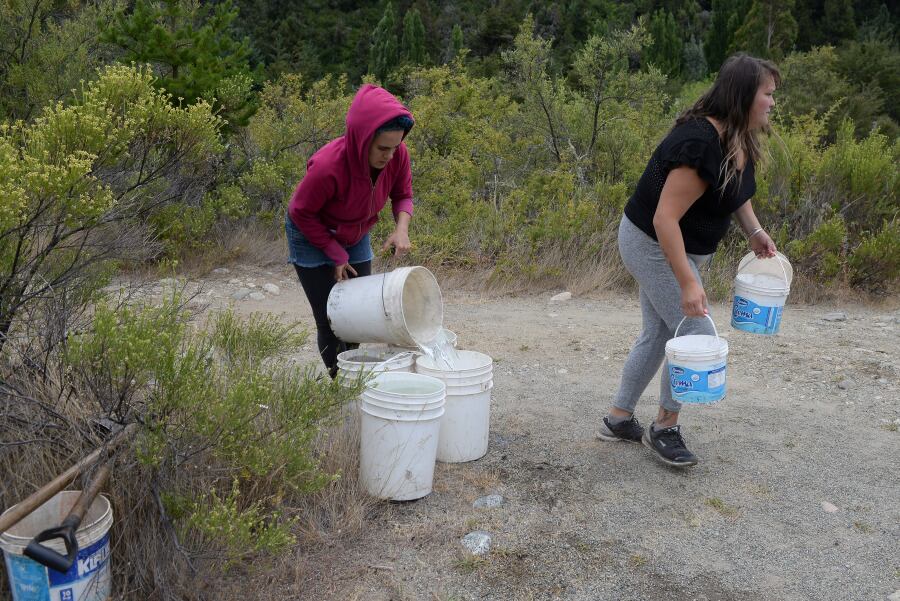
(875, 262)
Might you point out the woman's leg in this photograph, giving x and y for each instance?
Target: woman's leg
(317, 283)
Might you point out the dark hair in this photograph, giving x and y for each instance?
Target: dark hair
(402, 123)
(729, 102)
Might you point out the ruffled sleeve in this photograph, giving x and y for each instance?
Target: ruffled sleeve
(692, 145)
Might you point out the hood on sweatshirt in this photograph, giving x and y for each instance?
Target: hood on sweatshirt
(371, 108)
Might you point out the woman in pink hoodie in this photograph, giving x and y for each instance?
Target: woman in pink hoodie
(347, 183)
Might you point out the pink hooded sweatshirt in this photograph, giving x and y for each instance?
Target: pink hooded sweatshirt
(336, 203)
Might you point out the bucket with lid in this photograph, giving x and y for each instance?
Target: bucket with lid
(88, 579)
(465, 427)
(761, 288)
(402, 307)
(399, 428)
(696, 367)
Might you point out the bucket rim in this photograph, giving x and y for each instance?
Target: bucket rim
(430, 364)
(9, 542)
(390, 376)
(783, 261)
(405, 273)
(779, 292)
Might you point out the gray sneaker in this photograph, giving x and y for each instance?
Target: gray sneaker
(669, 446)
(629, 430)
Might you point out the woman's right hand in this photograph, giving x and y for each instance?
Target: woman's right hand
(343, 272)
(693, 300)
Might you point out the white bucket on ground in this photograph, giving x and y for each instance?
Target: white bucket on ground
(88, 579)
(465, 427)
(761, 288)
(697, 367)
(402, 307)
(399, 428)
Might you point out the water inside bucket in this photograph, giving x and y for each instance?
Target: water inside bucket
(440, 350)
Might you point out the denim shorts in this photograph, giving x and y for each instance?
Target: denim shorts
(304, 254)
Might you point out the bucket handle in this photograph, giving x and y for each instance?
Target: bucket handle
(706, 316)
(389, 359)
(780, 264)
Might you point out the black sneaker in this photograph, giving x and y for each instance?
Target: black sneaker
(629, 430)
(669, 446)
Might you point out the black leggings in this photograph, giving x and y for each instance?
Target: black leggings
(317, 282)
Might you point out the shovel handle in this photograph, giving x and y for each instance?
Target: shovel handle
(66, 531)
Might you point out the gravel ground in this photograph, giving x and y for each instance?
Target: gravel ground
(796, 497)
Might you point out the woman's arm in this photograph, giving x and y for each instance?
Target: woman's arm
(682, 189)
(760, 241)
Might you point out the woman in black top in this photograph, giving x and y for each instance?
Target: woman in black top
(701, 174)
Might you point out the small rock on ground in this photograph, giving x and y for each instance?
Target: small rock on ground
(477, 542)
(257, 296)
(836, 316)
(272, 289)
(894, 597)
(488, 502)
(829, 508)
(221, 270)
(562, 296)
(241, 294)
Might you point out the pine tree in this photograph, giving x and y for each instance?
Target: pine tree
(456, 42)
(412, 43)
(837, 21)
(694, 65)
(192, 52)
(383, 53)
(724, 22)
(769, 29)
(666, 50)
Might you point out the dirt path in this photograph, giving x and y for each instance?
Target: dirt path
(797, 495)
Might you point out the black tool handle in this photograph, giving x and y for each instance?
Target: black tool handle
(47, 556)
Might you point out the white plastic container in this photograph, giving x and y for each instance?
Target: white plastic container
(399, 429)
(360, 363)
(402, 307)
(697, 367)
(89, 578)
(761, 288)
(465, 427)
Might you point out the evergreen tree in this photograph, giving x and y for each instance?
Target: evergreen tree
(456, 42)
(383, 53)
(412, 43)
(727, 16)
(666, 50)
(837, 21)
(768, 30)
(694, 65)
(192, 51)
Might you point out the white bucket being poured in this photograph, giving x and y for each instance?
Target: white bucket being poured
(89, 578)
(465, 426)
(697, 367)
(761, 288)
(402, 307)
(399, 429)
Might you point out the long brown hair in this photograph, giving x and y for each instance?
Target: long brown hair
(729, 102)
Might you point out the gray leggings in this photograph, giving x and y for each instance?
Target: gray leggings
(661, 311)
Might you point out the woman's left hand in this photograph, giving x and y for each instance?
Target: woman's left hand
(399, 239)
(762, 245)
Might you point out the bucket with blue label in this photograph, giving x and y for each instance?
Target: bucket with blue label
(761, 289)
(89, 578)
(697, 367)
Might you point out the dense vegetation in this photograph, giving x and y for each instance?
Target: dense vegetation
(133, 134)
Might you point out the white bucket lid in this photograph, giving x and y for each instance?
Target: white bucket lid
(697, 347)
(777, 266)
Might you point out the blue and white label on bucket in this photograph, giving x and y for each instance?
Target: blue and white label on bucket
(88, 579)
(698, 387)
(757, 319)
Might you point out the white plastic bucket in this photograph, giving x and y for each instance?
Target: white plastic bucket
(399, 429)
(761, 288)
(402, 307)
(89, 578)
(465, 427)
(697, 367)
(360, 363)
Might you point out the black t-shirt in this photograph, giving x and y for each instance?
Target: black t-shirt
(696, 144)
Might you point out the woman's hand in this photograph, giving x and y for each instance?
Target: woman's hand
(762, 245)
(399, 239)
(343, 272)
(693, 300)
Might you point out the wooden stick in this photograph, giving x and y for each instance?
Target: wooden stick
(42, 495)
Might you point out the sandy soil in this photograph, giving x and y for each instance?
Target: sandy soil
(797, 495)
